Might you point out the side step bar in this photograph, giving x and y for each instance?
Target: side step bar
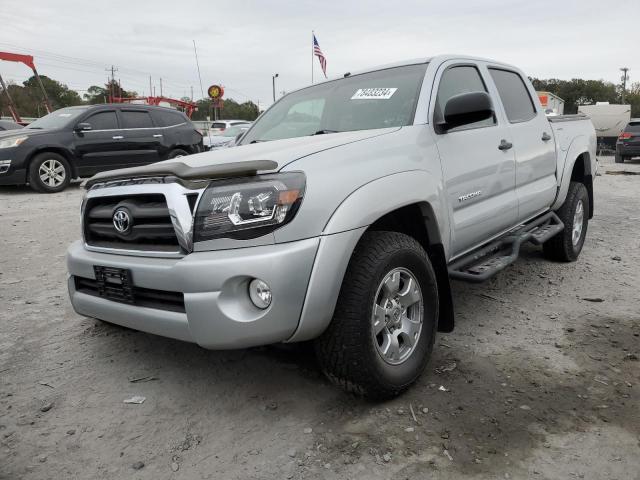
(482, 264)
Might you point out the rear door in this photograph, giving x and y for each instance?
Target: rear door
(101, 147)
(479, 177)
(533, 142)
(142, 138)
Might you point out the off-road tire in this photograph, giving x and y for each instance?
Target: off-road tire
(177, 152)
(346, 350)
(619, 158)
(560, 247)
(37, 184)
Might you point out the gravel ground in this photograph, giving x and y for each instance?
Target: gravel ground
(540, 379)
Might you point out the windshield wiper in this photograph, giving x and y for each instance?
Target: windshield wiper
(257, 141)
(322, 132)
(33, 128)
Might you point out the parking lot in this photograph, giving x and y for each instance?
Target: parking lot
(540, 379)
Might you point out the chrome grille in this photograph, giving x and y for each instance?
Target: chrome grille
(162, 216)
(151, 227)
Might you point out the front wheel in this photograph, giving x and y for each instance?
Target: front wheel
(385, 319)
(49, 173)
(574, 213)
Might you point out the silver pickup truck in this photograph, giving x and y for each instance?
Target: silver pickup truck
(341, 218)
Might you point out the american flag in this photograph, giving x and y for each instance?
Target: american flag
(318, 53)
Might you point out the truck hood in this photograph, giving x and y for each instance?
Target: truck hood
(244, 160)
(282, 152)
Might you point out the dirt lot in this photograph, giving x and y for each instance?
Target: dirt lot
(540, 379)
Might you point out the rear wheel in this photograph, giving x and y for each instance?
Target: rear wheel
(619, 158)
(384, 324)
(49, 173)
(574, 213)
(176, 153)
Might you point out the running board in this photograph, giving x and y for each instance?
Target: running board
(484, 263)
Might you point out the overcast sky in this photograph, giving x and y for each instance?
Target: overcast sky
(241, 44)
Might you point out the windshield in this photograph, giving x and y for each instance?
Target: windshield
(381, 99)
(58, 119)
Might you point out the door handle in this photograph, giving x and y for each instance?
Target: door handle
(117, 137)
(158, 135)
(545, 137)
(504, 145)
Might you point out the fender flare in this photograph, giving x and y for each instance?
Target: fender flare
(343, 231)
(579, 146)
(385, 194)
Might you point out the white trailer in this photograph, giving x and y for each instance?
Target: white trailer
(608, 120)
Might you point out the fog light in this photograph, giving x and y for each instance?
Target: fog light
(260, 293)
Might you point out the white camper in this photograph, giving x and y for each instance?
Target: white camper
(608, 120)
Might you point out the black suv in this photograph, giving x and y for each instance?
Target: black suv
(628, 144)
(81, 141)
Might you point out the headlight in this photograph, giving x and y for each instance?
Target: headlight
(250, 207)
(12, 142)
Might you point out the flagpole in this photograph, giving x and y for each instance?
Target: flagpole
(312, 57)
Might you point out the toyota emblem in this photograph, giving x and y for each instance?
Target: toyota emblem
(122, 221)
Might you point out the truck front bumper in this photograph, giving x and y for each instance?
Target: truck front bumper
(218, 312)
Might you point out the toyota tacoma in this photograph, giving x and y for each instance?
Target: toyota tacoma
(341, 218)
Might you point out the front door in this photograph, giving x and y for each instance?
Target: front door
(536, 183)
(101, 147)
(477, 163)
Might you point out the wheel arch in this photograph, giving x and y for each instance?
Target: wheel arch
(578, 166)
(54, 149)
(406, 210)
(419, 221)
(581, 172)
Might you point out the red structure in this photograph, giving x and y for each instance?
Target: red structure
(187, 107)
(28, 61)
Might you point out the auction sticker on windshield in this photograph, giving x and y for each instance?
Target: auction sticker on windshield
(373, 93)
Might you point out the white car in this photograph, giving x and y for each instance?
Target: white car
(217, 126)
(224, 138)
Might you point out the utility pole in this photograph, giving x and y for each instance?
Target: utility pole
(273, 83)
(160, 86)
(624, 71)
(150, 87)
(192, 93)
(113, 79)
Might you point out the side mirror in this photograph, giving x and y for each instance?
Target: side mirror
(83, 127)
(465, 109)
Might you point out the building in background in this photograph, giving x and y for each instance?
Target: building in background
(552, 104)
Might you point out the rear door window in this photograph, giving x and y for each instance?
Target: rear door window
(457, 80)
(219, 125)
(136, 119)
(633, 127)
(103, 120)
(514, 95)
(167, 118)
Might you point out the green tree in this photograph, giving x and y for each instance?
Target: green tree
(101, 94)
(59, 94)
(577, 91)
(30, 101)
(633, 99)
(231, 110)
